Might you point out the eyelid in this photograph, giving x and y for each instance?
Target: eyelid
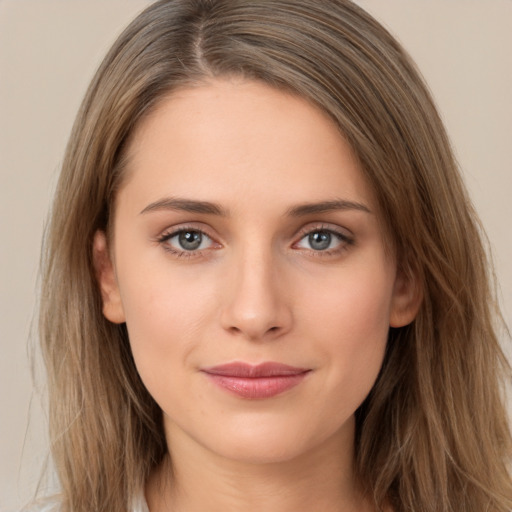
(170, 232)
(343, 234)
(177, 228)
(346, 238)
(324, 226)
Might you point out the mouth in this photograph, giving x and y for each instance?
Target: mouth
(255, 382)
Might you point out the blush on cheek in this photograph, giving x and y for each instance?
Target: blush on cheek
(163, 335)
(358, 325)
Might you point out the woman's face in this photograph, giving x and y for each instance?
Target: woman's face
(252, 271)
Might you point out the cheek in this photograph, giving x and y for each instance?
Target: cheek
(351, 321)
(165, 318)
(355, 303)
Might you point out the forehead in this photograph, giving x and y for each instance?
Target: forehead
(241, 137)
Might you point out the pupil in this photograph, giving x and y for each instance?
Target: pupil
(320, 240)
(190, 240)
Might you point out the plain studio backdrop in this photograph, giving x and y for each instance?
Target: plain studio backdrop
(49, 50)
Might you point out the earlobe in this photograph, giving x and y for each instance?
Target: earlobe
(105, 274)
(407, 299)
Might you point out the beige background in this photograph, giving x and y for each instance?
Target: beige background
(48, 52)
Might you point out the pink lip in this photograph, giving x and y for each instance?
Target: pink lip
(256, 381)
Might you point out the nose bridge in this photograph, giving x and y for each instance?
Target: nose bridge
(257, 306)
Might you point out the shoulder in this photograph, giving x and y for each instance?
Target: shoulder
(44, 505)
(53, 504)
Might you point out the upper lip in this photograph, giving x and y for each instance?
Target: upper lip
(246, 370)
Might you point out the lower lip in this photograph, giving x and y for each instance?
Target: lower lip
(255, 388)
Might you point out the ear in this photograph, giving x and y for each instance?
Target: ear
(407, 299)
(106, 276)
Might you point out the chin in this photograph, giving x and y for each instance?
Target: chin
(263, 442)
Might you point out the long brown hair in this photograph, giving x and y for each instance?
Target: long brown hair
(433, 434)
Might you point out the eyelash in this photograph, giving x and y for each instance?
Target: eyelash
(344, 241)
(166, 236)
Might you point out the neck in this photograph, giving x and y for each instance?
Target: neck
(198, 479)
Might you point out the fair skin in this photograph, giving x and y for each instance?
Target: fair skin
(245, 232)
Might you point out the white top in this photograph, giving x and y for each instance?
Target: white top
(53, 505)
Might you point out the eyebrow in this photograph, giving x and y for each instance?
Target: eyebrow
(185, 205)
(325, 207)
(206, 207)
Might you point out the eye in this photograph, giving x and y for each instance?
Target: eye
(187, 240)
(323, 240)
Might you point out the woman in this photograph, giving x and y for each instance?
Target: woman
(264, 284)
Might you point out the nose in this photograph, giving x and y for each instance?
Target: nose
(257, 305)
